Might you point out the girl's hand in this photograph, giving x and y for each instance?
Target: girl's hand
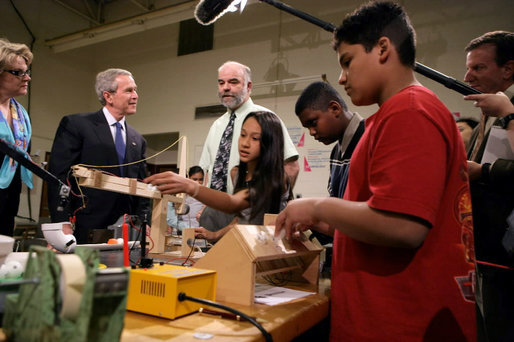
(171, 183)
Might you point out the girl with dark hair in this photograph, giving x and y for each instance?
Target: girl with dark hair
(261, 183)
(263, 176)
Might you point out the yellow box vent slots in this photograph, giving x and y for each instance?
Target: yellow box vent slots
(154, 291)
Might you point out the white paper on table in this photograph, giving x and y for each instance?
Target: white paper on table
(498, 146)
(272, 295)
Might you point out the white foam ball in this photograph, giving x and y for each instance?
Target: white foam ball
(14, 269)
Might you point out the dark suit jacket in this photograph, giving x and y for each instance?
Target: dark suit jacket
(492, 202)
(86, 139)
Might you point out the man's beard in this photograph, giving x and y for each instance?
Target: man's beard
(233, 102)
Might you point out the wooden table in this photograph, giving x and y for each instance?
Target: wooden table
(284, 322)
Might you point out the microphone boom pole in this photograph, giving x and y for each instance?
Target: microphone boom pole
(435, 75)
(447, 81)
(17, 155)
(307, 17)
(64, 190)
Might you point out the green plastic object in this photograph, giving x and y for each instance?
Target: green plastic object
(33, 314)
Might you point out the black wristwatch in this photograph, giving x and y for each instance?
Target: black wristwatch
(506, 119)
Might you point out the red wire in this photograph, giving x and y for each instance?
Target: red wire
(147, 234)
(494, 265)
(126, 261)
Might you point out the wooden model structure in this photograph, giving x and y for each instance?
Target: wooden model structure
(97, 179)
(248, 252)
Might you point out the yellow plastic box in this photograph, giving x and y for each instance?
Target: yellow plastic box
(154, 291)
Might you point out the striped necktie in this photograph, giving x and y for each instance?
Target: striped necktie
(220, 168)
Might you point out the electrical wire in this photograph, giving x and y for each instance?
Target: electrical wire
(182, 297)
(170, 261)
(138, 236)
(137, 161)
(190, 251)
(276, 279)
(133, 226)
(151, 240)
(120, 165)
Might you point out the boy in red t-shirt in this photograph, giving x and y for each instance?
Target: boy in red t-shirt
(398, 241)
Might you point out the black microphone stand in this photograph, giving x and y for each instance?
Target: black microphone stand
(144, 262)
(447, 81)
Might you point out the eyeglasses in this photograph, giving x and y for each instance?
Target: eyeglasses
(19, 73)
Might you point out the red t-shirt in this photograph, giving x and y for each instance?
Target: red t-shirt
(410, 160)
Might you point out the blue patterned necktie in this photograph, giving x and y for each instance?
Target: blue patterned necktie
(120, 146)
(220, 168)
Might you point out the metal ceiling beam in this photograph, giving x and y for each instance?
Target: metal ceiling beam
(128, 26)
(77, 12)
(140, 5)
(89, 9)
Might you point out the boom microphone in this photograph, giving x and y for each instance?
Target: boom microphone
(208, 11)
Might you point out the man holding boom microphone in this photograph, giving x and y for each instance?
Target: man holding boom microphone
(490, 69)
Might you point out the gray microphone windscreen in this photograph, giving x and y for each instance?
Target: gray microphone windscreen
(185, 210)
(208, 11)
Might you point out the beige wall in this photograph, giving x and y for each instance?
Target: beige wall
(170, 87)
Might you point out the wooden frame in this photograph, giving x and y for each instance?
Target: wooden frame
(247, 252)
(97, 179)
